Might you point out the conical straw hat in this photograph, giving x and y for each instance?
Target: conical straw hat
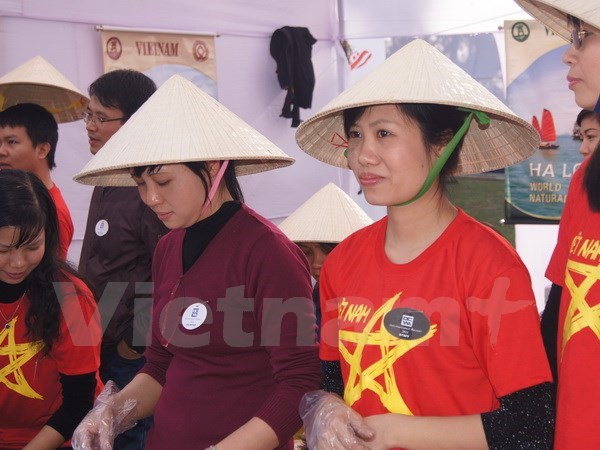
(553, 13)
(37, 81)
(330, 215)
(181, 123)
(419, 73)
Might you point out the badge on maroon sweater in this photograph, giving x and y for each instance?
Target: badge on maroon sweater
(194, 316)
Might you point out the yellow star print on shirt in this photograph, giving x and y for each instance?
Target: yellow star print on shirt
(18, 355)
(391, 347)
(580, 315)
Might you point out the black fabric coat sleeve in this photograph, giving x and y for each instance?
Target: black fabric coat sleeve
(525, 420)
(550, 328)
(78, 398)
(332, 377)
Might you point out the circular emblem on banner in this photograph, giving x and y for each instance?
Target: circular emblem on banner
(114, 48)
(194, 316)
(101, 227)
(520, 31)
(406, 323)
(200, 51)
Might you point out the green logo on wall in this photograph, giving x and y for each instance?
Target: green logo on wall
(520, 31)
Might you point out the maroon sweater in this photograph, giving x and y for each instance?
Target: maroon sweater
(254, 354)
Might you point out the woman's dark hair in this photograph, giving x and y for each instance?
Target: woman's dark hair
(591, 180)
(437, 123)
(327, 247)
(26, 204)
(200, 168)
(584, 114)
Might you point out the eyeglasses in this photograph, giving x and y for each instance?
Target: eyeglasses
(88, 117)
(577, 34)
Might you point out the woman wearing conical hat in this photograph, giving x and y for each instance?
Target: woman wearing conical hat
(233, 342)
(319, 225)
(428, 315)
(570, 326)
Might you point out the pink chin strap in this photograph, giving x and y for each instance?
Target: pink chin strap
(214, 187)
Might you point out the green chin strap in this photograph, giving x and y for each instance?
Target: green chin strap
(482, 118)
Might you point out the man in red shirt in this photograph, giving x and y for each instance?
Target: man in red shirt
(28, 138)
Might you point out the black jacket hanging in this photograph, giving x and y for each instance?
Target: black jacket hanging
(291, 47)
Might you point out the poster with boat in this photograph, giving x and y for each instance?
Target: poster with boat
(536, 189)
(547, 130)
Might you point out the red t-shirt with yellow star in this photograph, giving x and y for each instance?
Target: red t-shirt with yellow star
(575, 265)
(30, 389)
(445, 334)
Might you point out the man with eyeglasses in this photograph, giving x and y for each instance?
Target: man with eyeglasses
(119, 242)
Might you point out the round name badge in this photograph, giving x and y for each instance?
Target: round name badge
(101, 227)
(194, 316)
(406, 323)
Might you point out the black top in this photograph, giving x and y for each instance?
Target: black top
(198, 236)
(12, 292)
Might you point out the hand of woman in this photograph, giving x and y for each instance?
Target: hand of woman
(330, 424)
(108, 418)
(384, 426)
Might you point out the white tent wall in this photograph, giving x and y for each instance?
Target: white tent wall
(230, 17)
(74, 50)
(384, 18)
(62, 31)
(247, 82)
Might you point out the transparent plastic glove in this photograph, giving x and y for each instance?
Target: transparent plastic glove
(107, 419)
(330, 424)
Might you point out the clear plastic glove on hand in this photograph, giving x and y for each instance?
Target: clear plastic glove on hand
(330, 424)
(107, 419)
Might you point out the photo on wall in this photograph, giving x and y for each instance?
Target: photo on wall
(536, 189)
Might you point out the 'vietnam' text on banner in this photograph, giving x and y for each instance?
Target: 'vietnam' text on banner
(161, 55)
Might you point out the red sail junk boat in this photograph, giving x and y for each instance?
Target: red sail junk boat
(547, 131)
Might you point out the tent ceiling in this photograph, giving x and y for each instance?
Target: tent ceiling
(235, 17)
(360, 18)
(383, 18)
